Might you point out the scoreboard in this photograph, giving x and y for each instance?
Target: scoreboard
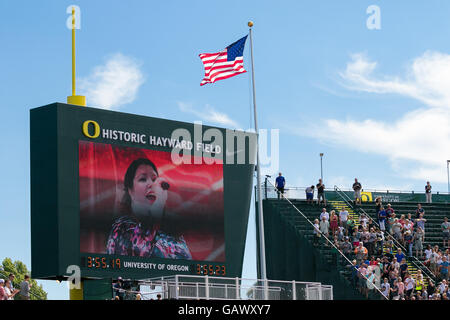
(119, 194)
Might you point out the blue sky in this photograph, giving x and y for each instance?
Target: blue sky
(376, 102)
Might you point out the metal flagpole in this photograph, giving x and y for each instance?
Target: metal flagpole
(448, 177)
(262, 252)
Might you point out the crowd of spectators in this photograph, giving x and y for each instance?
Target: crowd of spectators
(376, 263)
(9, 292)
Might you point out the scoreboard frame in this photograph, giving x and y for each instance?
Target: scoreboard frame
(55, 132)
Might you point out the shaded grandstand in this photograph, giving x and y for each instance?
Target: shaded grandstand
(291, 252)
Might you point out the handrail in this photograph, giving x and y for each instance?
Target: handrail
(340, 252)
(234, 283)
(399, 245)
(372, 190)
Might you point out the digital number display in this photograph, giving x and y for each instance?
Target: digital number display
(101, 263)
(210, 270)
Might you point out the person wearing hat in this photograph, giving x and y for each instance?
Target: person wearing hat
(428, 192)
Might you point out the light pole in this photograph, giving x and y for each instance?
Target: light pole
(321, 168)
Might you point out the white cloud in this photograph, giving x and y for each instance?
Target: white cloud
(418, 143)
(113, 84)
(209, 114)
(427, 78)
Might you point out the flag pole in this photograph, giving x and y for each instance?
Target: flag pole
(258, 195)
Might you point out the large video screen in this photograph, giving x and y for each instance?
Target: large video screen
(118, 194)
(136, 202)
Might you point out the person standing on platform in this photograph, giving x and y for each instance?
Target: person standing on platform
(310, 194)
(321, 192)
(279, 184)
(428, 192)
(357, 188)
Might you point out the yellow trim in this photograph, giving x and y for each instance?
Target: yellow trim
(77, 100)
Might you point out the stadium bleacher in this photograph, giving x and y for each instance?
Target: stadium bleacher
(434, 214)
(296, 217)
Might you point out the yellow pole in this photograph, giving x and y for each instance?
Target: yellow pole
(74, 99)
(75, 294)
(73, 51)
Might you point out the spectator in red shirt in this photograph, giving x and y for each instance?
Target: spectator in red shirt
(3, 295)
(389, 210)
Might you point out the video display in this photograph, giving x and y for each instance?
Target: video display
(136, 202)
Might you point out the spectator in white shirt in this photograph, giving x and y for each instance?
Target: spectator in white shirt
(325, 214)
(343, 217)
(409, 285)
(385, 288)
(363, 220)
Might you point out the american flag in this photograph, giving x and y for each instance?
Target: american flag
(224, 64)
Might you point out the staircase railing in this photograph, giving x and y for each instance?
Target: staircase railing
(414, 260)
(329, 241)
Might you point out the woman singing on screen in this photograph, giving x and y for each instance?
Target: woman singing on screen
(141, 230)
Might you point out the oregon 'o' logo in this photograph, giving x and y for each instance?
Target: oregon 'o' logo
(366, 196)
(86, 129)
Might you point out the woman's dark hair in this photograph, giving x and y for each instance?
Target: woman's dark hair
(125, 205)
(128, 181)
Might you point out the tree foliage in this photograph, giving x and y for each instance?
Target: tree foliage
(19, 269)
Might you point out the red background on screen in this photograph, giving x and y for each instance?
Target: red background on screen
(195, 194)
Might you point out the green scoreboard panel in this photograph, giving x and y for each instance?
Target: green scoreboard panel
(119, 194)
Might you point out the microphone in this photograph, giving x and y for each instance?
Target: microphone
(165, 185)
